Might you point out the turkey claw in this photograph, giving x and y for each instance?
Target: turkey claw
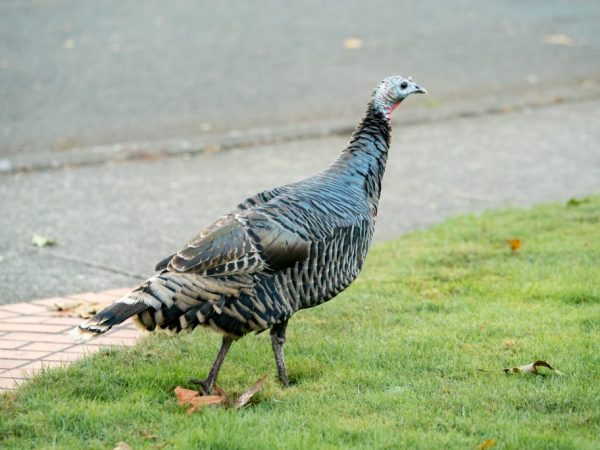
(203, 388)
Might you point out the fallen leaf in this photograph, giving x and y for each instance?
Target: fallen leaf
(83, 310)
(515, 244)
(353, 43)
(195, 401)
(185, 395)
(42, 241)
(509, 343)
(487, 444)
(122, 446)
(243, 399)
(531, 368)
(148, 435)
(558, 39)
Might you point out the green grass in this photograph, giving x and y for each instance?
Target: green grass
(391, 363)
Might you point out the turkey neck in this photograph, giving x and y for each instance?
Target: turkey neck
(363, 161)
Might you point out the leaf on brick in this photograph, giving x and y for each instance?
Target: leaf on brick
(83, 310)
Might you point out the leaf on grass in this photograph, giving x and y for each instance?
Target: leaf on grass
(531, 368)
(353, 43)
(195, 401)
(243, 399)
(42, 241)
(83, 310)
(122, 446)
(508, 343)
(487, 444)
(515, 244)
(149, 435)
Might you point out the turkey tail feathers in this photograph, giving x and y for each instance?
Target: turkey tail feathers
(107, 318)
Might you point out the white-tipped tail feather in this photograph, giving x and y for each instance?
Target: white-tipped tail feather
(81, 335)
(104, 320)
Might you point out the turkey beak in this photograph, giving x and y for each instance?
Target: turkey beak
(419, 90)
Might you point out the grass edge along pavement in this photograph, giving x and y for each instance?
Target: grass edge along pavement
(393, 362)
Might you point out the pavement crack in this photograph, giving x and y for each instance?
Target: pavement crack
(99, 266)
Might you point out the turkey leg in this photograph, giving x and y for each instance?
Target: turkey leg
(277, 341)
(206, 385)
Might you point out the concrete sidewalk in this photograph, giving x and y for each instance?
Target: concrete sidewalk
(34, 335)
(113, 221)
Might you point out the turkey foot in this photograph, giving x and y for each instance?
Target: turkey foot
(206, 386)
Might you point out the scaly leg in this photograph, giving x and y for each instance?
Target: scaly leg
(277, 341)
(206, 385)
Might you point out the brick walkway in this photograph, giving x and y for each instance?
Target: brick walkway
(34, 335)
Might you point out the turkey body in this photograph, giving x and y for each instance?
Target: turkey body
(283, 250)
(286, 249)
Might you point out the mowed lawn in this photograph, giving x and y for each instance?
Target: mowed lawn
(410, 356)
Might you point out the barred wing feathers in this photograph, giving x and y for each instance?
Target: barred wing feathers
(245, 242)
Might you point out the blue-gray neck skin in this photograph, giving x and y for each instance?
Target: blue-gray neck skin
(364, 159)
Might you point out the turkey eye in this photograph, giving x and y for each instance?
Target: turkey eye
(404, 85)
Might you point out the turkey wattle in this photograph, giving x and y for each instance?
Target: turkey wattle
(289, 248)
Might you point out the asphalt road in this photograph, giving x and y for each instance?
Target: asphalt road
(115, 221)
(76, 74)
(511, 119)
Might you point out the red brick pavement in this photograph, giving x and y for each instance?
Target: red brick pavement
(34, 335)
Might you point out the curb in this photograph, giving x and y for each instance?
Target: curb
(474, 104)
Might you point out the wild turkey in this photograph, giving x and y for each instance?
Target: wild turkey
(289, 248)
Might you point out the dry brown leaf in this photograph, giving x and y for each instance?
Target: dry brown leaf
(148, 435)
(531, 368)
(515, 244)
(508, 343)
(243, 399)
(122, 446)
(558, 39)
(487, 444)
(83, 310)
(185, 395)
(195, 400)
(353, 43)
